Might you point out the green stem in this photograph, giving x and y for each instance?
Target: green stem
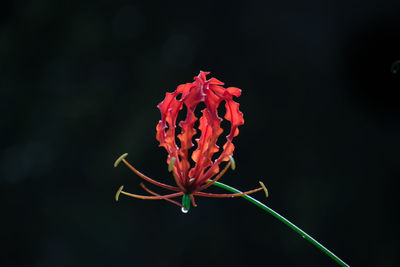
(285, 221)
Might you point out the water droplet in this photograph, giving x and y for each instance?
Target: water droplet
(184, 210)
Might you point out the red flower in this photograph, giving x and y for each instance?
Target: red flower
(191, 181)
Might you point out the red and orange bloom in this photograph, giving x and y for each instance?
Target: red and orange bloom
(192, 180)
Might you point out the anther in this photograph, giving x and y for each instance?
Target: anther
(120, 159)
(191, 180)
(118, 192)
(171, 164)
(264, 188)
(233, 164)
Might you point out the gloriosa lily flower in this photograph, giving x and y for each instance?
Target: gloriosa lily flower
(191, 181)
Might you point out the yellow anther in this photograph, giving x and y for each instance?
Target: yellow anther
(120, 159)
(233, 164)
(264, 188)
(118, 192)
(171, 164)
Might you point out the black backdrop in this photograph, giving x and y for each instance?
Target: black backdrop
(80, 82)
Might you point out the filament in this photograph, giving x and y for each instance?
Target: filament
(227, 195)
(155, 194)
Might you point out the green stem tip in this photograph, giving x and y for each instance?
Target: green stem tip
(186, 203)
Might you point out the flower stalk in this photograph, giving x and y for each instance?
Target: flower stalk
(285, 221)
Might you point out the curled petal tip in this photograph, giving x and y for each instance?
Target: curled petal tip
(233, 164)
(171, 164)
(118, 192)
(264, 188)
(120, 159)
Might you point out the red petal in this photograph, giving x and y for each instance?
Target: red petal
(211, 93)
(233, 115)
(234, 91)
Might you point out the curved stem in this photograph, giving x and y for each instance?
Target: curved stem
(285, 221)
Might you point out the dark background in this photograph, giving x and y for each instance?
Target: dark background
(80, 82)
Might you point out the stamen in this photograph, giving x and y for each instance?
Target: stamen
(178, 182)
(155, 194)
(227, 195)
(193, 202)
(118, 192)
(141, 175)
(120, 159)
(153, 197)
(211, 182)
(171, 164)
(233, 164)
(264, 188)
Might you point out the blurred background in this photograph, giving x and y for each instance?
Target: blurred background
(79, 86)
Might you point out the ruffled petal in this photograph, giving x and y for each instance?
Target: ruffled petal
(211, 93)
